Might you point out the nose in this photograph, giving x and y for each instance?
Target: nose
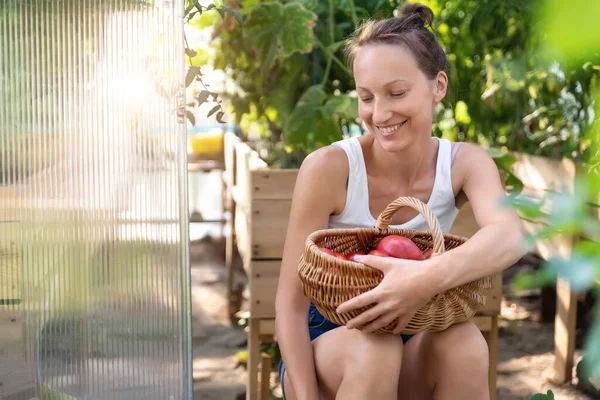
(381, 112)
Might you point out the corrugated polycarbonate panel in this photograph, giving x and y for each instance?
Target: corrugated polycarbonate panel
(94, 270)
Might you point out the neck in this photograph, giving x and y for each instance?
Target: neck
(405, 165)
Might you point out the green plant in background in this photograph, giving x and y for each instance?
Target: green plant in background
(573, 215)
(506, 93)
(292, 87)
(293, 90)
(199, 16)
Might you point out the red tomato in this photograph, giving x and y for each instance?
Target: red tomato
(427, 254)
(340, 256)
(379, 253)
(350, 256)
(325, 250)
(400, 247)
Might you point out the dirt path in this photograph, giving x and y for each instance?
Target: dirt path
(525, 348)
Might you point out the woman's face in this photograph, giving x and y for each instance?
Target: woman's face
(396, 100)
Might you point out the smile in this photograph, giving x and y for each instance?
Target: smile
(390, 129)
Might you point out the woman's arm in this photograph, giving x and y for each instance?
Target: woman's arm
(319, 192)
(498, 243)
(408, 284)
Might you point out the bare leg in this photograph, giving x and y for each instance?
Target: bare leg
(351, 365)
(452, 364)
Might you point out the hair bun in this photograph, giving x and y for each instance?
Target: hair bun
(417, 11)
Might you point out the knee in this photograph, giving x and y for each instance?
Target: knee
(376, 353)
(463, 345)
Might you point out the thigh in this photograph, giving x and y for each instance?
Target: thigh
(416, 383)
(329, 354)
(425, 353)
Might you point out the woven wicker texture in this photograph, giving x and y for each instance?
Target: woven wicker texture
(329, 281)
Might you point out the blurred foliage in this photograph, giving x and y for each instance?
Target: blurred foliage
(286, 63)
(506, 92)
(291, 84)
(572, 215)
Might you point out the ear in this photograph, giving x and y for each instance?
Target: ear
(440, 86)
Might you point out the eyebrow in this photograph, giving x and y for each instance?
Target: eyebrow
(387, 84)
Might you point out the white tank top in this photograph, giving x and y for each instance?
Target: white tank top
(356, 212)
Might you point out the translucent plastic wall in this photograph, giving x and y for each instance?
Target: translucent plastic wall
(94, 271)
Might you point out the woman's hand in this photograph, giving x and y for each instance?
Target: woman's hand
(403, 290)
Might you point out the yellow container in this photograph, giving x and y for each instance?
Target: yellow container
(206, 143)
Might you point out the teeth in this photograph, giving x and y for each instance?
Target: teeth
(391, 129)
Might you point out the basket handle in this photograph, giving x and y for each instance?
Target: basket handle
(436, 232)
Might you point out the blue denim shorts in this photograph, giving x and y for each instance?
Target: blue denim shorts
(317, 325)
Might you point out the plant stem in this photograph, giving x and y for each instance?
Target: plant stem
(333, 57)
(330, 22)
(354, 17)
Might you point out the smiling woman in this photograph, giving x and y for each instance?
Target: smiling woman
(399, 71)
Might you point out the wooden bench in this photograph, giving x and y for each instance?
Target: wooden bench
(259, 200)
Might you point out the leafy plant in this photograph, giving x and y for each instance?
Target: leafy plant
(292, 87)
(194, 11)
(540, 396)
(574, 215)
(504, 95)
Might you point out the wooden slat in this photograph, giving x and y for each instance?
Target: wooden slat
(267, 326)
(265, 268)
(483, 322)
(493, 300)
(243, 175)
(241, 225)
(564, 331)
(541, 173)
(273, 184)
(269, 227)
(465, 224)
(262, 297)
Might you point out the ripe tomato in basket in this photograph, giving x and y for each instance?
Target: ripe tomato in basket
(400, 247)
(379, 253)
(351, 256)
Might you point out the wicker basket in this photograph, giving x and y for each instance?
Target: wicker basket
(329, 281)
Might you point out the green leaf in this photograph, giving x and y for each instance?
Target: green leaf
(529, 207)
(579, 270)
(190, 117)
(592, 349)
(276, 31)
(539, 396)
(205, 20)
(315, 119)
(191, 74)
(220, 117)
(236, 14)
(213, 110)
(202, 97)
(247, 6)
(563, 41)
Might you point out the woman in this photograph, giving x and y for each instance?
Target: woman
(399, 70)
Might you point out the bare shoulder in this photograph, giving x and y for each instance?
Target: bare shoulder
(329, 161)
(322, 177)
(472, 160)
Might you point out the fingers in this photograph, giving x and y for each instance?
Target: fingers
(402, 322)
(359, 301)
(381, 263)
(365, 317)
(379, 323)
